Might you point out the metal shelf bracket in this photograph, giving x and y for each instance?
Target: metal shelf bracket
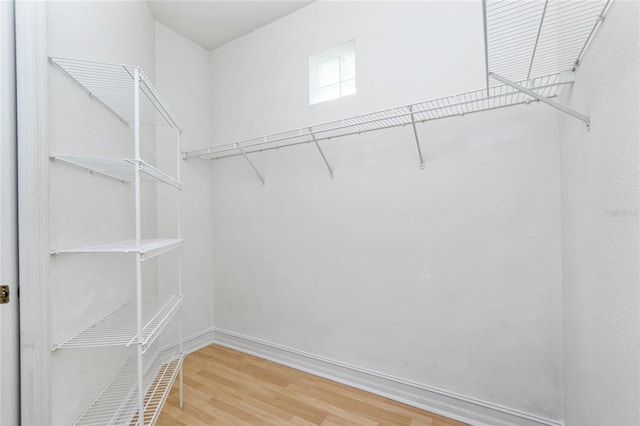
(542, 99)
(250, 163)
(415, 134)
(324, 158)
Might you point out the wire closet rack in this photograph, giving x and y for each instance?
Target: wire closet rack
(529, 38)
(109, 408)
(118, 327)
(450, 106)
(136, 393)
(532, 49)
(122, 169)
(114, 86)
(146, 248)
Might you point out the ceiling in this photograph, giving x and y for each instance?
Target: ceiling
(213, 23)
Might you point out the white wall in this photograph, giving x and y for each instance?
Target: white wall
(600, 229)
(450, 276)
(398, 58)
(183, 78)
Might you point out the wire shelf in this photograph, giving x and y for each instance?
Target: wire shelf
(450, 106)
(532, 38)
(119, 328)
(122, 169)
(117, 404)
(148, 248)
(113, 86)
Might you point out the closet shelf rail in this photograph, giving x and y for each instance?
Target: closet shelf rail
(117, 403)
(148, 248)
(501, 96)
(121, 169)
(113, 86)
(118, 328)
(526, 38)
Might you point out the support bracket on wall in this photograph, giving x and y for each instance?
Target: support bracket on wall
(542, 99)
(250, 163)
(415, 133)
(324, 158)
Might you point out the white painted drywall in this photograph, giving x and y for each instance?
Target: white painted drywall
(398, 57)
(448, 276)
(600, 229)
(214, 23)
(183, 78)
(86, 209)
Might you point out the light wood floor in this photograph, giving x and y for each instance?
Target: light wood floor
(223, 386)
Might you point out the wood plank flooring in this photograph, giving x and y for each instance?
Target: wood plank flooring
(223, 386)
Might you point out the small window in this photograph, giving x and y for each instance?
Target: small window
(332, 73)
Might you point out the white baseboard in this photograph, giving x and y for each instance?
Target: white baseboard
(194, 342)
(448, 404)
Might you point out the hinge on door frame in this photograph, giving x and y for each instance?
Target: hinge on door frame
(4, 294)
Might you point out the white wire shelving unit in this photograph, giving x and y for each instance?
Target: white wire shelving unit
(114, 85)
(122, 169)
(110, 408)
(118, 327)
(529, 38)
(136, 393)
(532, 49)
(146, 248)
(435, 109)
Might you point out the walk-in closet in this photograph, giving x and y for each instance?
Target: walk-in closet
(320, 212)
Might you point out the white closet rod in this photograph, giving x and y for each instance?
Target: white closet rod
(451, 106)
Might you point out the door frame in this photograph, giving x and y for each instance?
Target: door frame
(33, 211)
(9, 313)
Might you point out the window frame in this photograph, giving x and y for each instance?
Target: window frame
(339, 53)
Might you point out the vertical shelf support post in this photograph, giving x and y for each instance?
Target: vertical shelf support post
(486, 42)
(535, 46)
(542, 99)
(250, 163)
(415, 134)
(324, 158)
(138, 158)
(180, 292)
(591, 34)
